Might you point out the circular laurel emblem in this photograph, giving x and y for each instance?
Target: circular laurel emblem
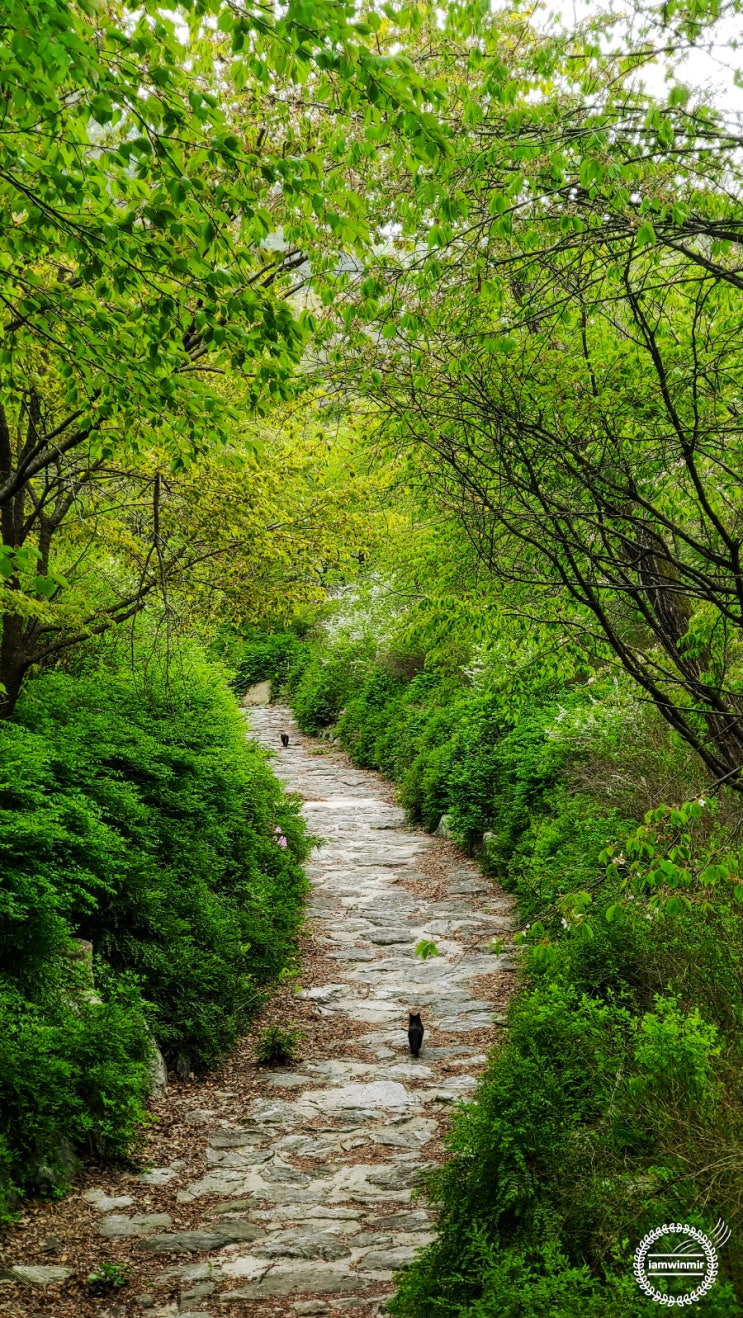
(675, 1264)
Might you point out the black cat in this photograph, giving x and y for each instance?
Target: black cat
(415, 1032)
(284, 739)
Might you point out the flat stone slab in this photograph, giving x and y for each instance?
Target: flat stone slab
(323, 1213)
(286, 1079)
(303, 1245)
(157, 1176)
(396, 1176)
(274, 1112)
(298, 1277)
(387, 936)
(416, 1220)
(234, 1139)
(377, 1094)
(224, 1182)
(200, 1242)
(107, 1203)
(238, 1158)
(119, 1227)
(232, 1206)
(41, 1274)
(389, 1260)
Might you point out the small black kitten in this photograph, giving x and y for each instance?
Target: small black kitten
(284, 739)
(415, 1032)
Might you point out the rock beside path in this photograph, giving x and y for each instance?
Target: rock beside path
(40, 1274)
(119, 1225)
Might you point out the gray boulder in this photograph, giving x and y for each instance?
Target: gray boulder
(41, 1274)
(157, 1071)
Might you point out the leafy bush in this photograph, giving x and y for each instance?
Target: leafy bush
(277, 1045)
(108, 1277)
(320, 688)
(541, 1282)
(73, 1077)
(266, 656)
(569, 1154)
(134, 814)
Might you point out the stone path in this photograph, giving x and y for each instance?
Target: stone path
(305, 1204)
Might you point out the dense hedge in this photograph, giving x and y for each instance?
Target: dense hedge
(259, 656)
(133, 813)
(454, 752)
(618, 1086)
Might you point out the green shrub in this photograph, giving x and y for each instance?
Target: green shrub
(152, 835)
(538, 1282)
(134, 814)
(73, 1078)
(278, 1045)
(566, 1157)
(108, 1277)
(320, 688)
(266, 657)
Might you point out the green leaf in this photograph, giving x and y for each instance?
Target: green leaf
(646, 235)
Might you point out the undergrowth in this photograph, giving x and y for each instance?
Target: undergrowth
(134, 816)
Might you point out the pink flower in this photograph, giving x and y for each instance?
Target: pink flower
(283, 842)
(277, 829)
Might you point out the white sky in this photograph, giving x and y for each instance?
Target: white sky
(712, 70)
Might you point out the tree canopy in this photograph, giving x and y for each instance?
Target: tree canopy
(164, 176)
(487, 236)
(557, 345)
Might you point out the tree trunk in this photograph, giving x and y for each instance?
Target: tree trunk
(14, 660)
(14, 663)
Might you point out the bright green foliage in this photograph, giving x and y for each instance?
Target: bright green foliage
(261, 656)
(593, 1123)
(170, 179)
(141, 806)
(133, 813)
(455, 753)
(544, 1284)
(278, 1045)
(108, 1276)
(561, 359)
(320, 687)
(542, 315)
(570, 1153)
(425, 949)
(73, 1077)
(146, 157)
(660, 862)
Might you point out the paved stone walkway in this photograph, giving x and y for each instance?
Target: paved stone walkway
(306, 1204)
